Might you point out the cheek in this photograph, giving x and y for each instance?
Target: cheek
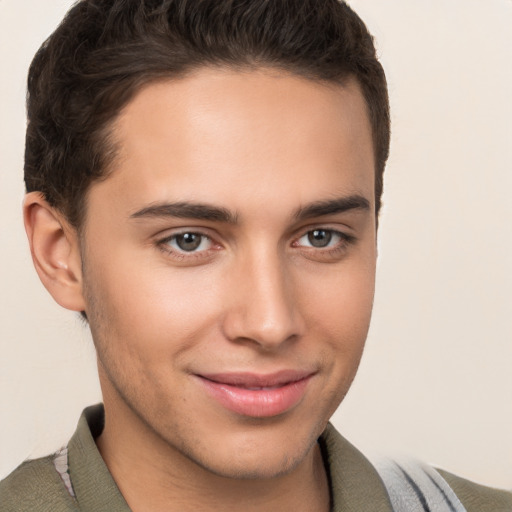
(153, 307)
(340, 301)
(339, 311)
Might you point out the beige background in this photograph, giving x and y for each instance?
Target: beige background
(436, 380)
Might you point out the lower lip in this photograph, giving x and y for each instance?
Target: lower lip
(260, 403)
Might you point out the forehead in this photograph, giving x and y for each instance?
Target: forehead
(263, 133)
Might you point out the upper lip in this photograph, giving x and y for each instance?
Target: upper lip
(258, 380)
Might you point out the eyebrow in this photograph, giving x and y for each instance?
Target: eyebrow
(187, 210)
(332, 206)
(203, 211)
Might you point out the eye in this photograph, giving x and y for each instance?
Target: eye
(188, 242)
(321, 238)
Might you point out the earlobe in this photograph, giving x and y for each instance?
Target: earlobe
(55, 250)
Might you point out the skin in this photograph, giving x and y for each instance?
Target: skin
(255, 296)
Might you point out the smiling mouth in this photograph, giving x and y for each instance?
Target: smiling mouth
(257, 396)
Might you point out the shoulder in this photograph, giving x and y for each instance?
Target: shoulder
(36, 486)
(402, 486)
(476, 497)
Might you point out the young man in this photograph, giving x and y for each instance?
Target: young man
(203, 185)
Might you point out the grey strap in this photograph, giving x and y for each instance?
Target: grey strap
(415, 487)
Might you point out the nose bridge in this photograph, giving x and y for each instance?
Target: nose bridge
(263, 308)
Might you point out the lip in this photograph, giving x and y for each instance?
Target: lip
(257, 395)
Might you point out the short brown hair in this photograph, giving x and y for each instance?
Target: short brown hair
(105, 50)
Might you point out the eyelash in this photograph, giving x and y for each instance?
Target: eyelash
(344, 241)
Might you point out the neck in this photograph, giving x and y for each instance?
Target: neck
(153, 476)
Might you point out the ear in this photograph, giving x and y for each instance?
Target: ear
(55, 250)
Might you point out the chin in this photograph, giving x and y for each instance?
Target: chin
(258, 454)
(239, 467)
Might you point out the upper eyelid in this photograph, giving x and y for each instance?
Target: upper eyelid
(322, 227)
(331, 230)
(333, 225)
(167, 234)
(345, 237)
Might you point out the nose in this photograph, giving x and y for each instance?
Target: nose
(263, 304)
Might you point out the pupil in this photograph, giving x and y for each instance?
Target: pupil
(188, 241)
(319, 238)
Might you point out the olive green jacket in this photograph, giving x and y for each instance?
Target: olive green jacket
(36, 486)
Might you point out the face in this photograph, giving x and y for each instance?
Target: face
(229, 265)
